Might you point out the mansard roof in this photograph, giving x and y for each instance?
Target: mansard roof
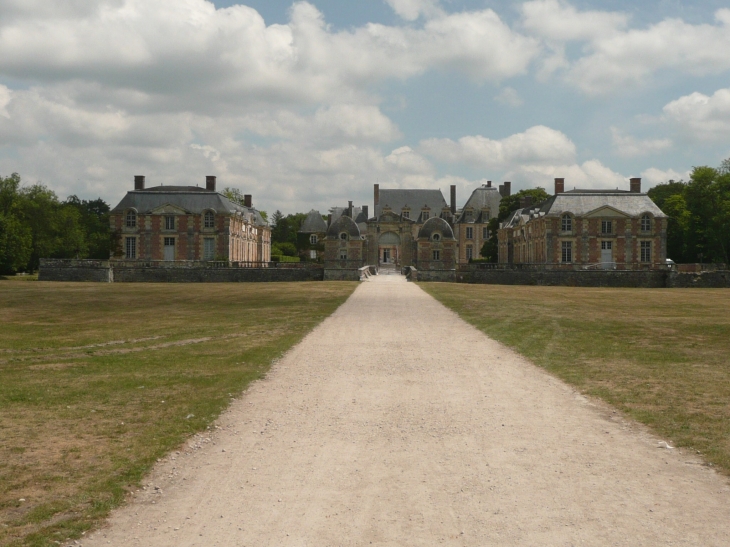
(191, 199)
(583, 202)
(484, 197)
(344, 224)
(436, 224)
(413, 199)
(313, 224)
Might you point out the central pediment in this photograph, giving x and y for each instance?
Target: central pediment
(169, 209)
(607, 211)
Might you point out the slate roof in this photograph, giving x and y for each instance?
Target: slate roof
(436, 224)
(484, 197)
(192, 199)
(414, 199)
(582, 202)
(344, 224)
(313, 224)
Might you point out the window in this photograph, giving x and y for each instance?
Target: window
(209, 220)
(485, 233)
(485, 216)
(469, 232)
(313, 255)
(646, 251)
(425, 215)
(313, 239)
(436, 255)
(169, 223)
(343, 255)
(208, 248)
(606, 227)
(567, 248)
(436, 237)
(468, 216)
(131, 247)
(646, 223)
(469, 252)
(406, 214)
(566, 223)
(343, 236)
(131, 219)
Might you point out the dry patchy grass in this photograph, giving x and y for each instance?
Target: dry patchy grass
(660, 355)
(97, 381)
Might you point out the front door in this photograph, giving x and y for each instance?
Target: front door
(386, 256)
(169, 248)
(606, 254)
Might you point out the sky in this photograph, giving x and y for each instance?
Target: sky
(307, 104)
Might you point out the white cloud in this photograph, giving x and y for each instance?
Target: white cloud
(629, 147)
(615, 56)
(509, 97)
(701, 117)
(537, 145)
(5, 96)
(591, 174)
(560, 22)
(410, 10)
(629, 58)
(653, 176)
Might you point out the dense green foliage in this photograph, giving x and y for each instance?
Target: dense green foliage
(699, 215)
(490, 249)
(35, 224)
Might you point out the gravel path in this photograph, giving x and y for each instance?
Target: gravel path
(395, 423)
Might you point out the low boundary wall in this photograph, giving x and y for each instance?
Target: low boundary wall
(105, 271)
(75, 270)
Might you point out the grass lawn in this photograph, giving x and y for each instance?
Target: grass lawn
(662, 356)
(97, 381)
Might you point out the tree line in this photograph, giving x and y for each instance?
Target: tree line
(35, 224)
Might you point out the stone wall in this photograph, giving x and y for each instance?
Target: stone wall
(341, 274)
(703, 280)
(437, 275)
(97, 270)
(576, 278)
(74, 270)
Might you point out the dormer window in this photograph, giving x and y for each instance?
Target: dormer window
(313, 239)
(468, 216)
(485, 216)
(131, 219)
(406, 213)
(646, 223)
(425, 215)
(566, 223)
(209, 220)
(436, 237)
(343, 236)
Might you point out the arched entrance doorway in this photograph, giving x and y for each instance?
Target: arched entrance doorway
(389, 249)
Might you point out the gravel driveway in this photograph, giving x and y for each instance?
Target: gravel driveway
(396, 423)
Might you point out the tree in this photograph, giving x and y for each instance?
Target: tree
(16, 244)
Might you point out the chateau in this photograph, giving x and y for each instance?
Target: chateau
(606, 229)
(177, 223)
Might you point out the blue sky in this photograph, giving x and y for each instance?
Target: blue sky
(308, 104)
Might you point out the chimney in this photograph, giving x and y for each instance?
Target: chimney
(139, 182)
(453, 199)
(635, 185)
(247, 201)
(489, 184)
(528, 201)
(559, 186)
(365, 211)
(507, 188)
(376, 194)
(329, 220)
(349, 209)
(210, 183)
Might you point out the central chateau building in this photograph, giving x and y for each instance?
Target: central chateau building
(409, 228)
